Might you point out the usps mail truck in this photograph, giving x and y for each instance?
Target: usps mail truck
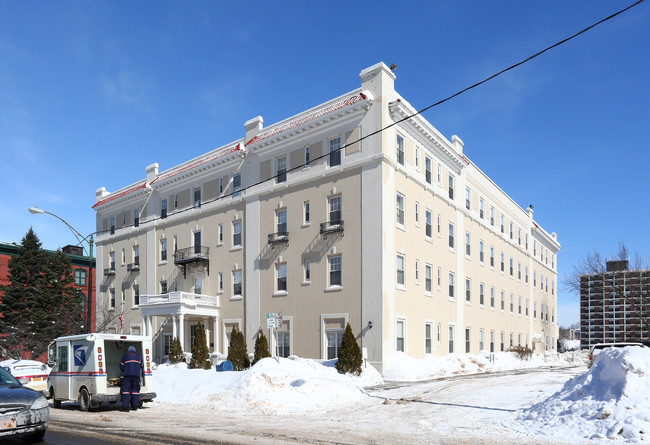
(86, 368)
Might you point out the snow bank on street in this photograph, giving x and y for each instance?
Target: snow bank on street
(610, 401)
(272, 384)
(401, 367)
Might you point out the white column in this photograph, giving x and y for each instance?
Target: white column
(149, 327)
(206, 327)
(181, 328)
(216, 334)
(144, 325)
(174, 333)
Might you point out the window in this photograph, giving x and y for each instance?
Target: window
(439, 226)
(111, 260)
(427, 226)
(236, 283)
(236, 184)
(197, 242)
(526, 246)
(113, 225)
(400, 210)
(427, 169)
(481, 294)
(220, 234)
(526, 310)
(503, 341)
(163, 287)
(417, 214)
(492, 257)
(452, 334)
(511, 232)
(136, 217)
(163, 250)
(163, 208)
(307, 156)
(80, 277)
(468, 290)
(503, 262)
(492, 297)
(519, 236)
(281, 272)
(535, 309)
(468, 199)
(175, 201)
(451, 235)
(428, 332)
(491, 216)
(220, 281)
(519, 271)
(197, 197)
(428, 272)
(335, 270)
(236, 233)
(491, 341)
(334, 339)
(220, 185)
(400, 149)
(282, 221)
(400, 270)
(481, 204)
(451, 186)
(136, 295)
(503, 300)
(111, 293)
(307, 215)
(511, 340)
(198, 284)
(439, 175)
(283, 344)
(512, 267)
(439, 334)
(335, 152)
(439, 279)
(467, 244)
(481, 253)
(467, 340)
(307, 268)
(335, 209)
(399, 334)
(519, 306)
(451, 285)
(281, 174)
(480, 340)
(417, 272)
(502, 224)
(417, 158)
(512, 304)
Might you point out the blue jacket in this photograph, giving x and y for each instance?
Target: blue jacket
(131, 364)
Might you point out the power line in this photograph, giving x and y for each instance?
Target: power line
(537, 54)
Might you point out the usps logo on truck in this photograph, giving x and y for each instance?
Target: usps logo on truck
(79, 356)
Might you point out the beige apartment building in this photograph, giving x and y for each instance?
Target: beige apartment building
(329, 221)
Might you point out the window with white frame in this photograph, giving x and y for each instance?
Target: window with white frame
(439, 226)
(503, 301)
(491, 341)
(306, 213)
(511, 230)
(451, 186)
(80, 277)
(236, 233)
(481, 205)
(526, 308)
(220, 278)
(481, 340)
(281, 216)
(400, 210)
(428, 272)
(198, 285)
(307, 270)
(492, 257)
(467, 340)
(334, 339)
(468, 248)
(427, 226)
(452, 337)
(468, 290)
(439, 174)
(439, 278)
(492, 297)
(111, 260)
(236, 283)
(111, 293)
(519, 307)
(512, 304)
(503, 228)
(281, 277)
(400, 149)
(163, 250)
(512, 267)
(236, 184)
(136, 295)
(335, 152)
(282, 343)
(400, 336)
(417, 272)
(439, 334)
(481, 294)
(481, 253)
(427, 169)
(451, 235)
(417, 213)
(503, 262)
(428, 338)
(503, 341)
(451, 285)
(307, 156)
(220, 234)
(163, 208)
(221, 185)
(400, 270)
(519, 271)
(335, 266)
(136, 255)
(417, 158)
(491, 216)
(335, 209)
(197, 197)
(281, 173)
(468, 199)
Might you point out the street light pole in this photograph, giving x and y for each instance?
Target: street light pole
(81, 239)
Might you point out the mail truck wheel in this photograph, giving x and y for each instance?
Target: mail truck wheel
(55, 403)
(84, 399)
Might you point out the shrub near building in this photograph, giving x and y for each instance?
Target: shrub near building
(350, 359)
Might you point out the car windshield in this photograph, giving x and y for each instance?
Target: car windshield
(7, 379)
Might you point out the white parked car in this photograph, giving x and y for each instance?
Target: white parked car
(29, 373)
(597, 348)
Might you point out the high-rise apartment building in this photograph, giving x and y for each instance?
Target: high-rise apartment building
(329, 221)
(615, 305)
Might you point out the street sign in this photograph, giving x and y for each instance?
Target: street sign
(270, 320)
(278, 320)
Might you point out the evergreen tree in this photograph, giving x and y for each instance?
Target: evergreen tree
(349, 353)
(40, 302)
(237, 350)
(176, 351)
(200, 354)
(261, 347)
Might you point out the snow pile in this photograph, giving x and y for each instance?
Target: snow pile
(401, 367)
(273, 384)
(611, 400)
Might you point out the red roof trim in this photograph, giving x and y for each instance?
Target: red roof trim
(198, 163)
(119, 195)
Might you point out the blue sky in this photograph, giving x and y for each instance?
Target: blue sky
(92, 92)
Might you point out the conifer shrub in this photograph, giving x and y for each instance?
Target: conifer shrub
(237, 350)
(261, 348)
(523, 352)
(176, 351)
(349, 354)
(200, 354)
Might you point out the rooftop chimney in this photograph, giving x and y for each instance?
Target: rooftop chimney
(253, 127)
(458, 144)
(152, 172)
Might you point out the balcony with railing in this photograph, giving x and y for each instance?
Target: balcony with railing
(109, 272)
(179, 302)
(331, 227)
(278, 237)
(192, 255)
